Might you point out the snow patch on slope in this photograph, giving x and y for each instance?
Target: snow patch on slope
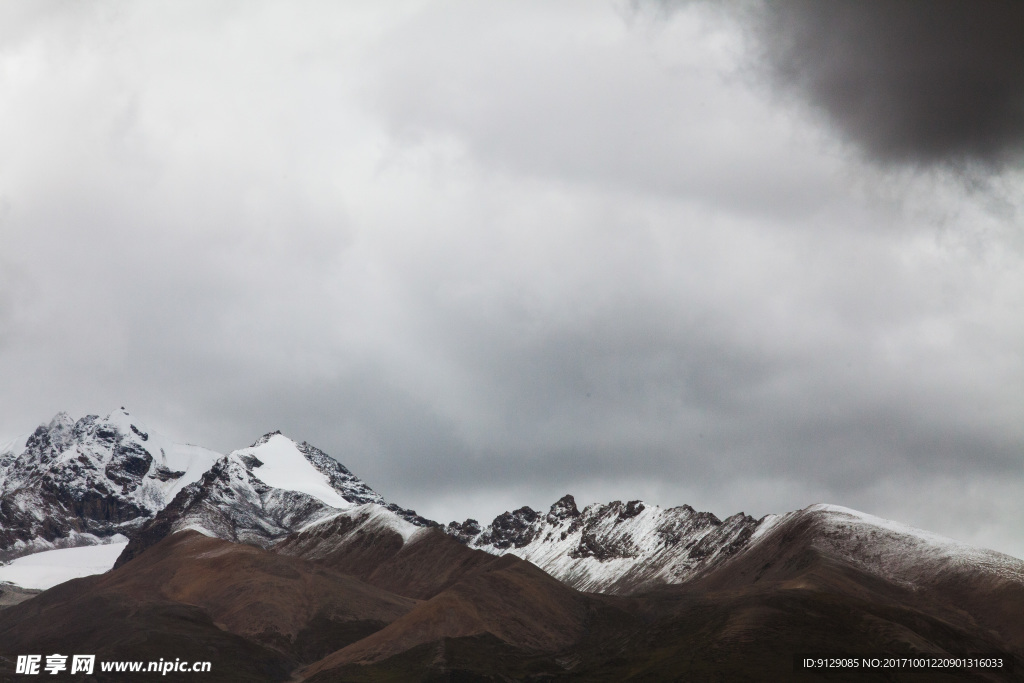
(47, 569)
(766, 524)
(891, 550)
(196, 526)
(901, 552)
(285, 467)
(372, 517)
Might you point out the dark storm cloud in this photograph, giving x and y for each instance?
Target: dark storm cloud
(914, 81)
(918, 81)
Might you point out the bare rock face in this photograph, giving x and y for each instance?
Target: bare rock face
(464, 532)
(563, 509)
(511, 529)
(11, 594)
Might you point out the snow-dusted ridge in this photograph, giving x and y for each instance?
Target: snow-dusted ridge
(613, 548)
(630, 547)
(371, 518)
(892, 550)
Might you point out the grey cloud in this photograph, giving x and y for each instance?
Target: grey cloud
(923, 81)
(649, 116)
(920, 82)
(484, 264)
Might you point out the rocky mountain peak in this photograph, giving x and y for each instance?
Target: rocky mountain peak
(61, 423)
(265, 438)
(564, 508)
(79, 482)
(511, 529)
(464, 532)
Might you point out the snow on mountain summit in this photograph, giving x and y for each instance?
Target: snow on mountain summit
(282, 463)
(118, 443)
(260, 494)
(279, 463)
(73, 483)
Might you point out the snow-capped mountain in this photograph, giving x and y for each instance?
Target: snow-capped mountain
(262, 493)
(289, 567)
(111, 480)
(73, 483)
(613, 548)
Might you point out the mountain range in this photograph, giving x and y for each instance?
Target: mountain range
(276, 563)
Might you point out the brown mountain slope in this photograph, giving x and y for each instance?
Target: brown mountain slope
(816, 582)
(809, 584)
(237, 604)
(75, 618)
(11, 594)
(752, 632)
(828, 551)
(418, 567)
(674, 634)
(822, 580)
(269, 597)
(507, 606)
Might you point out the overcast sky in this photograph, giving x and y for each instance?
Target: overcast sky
(489, 253)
